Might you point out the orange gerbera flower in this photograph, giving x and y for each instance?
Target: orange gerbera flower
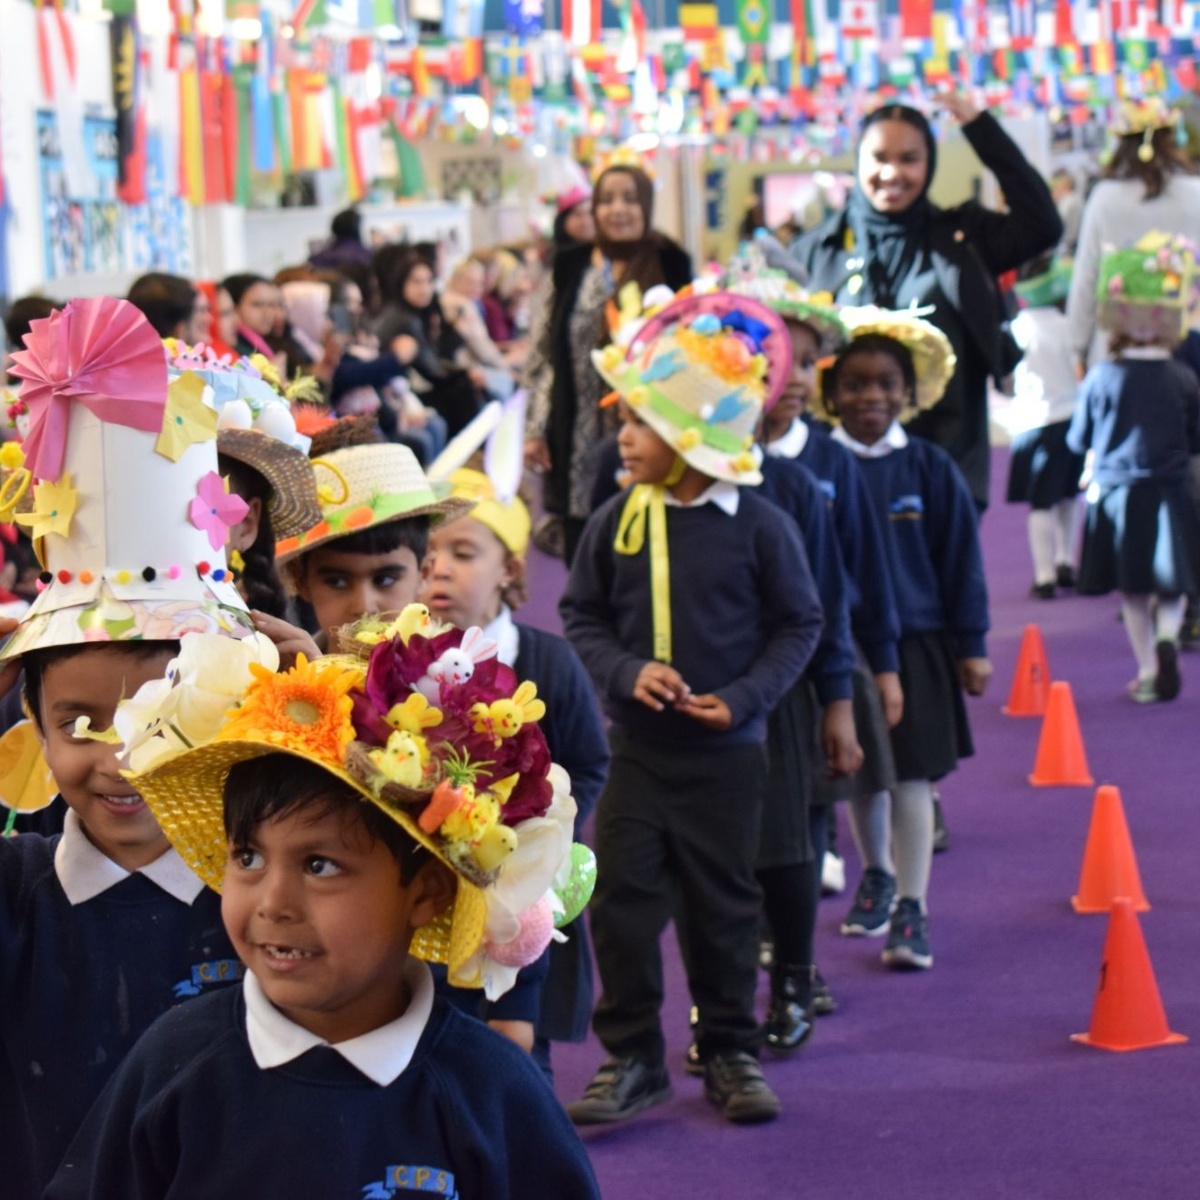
(306, 709)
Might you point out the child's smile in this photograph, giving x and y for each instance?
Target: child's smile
(869, 394)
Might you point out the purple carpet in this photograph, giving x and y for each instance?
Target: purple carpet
(961, 1082)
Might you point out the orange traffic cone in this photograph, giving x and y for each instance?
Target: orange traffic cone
(1128, 1012)
(1031, 680)
(1061, 761)
(1109, 866)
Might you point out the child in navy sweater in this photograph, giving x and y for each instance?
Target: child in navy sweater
(893, 363)
(692, 606)
(354, 826)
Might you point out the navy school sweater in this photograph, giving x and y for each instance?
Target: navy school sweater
(932, 543)
(78, 986)
(191, 1116)
(745, 616)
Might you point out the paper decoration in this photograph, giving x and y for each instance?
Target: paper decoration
(186, 418)
(215, 510)
(53, 507)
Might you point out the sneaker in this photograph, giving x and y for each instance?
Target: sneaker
(789, 1022)
(1043, 591)
(734, 1082)
(823, 1002)
(833, 874)
(1167, 682)
(908, 937)
(1143, 691)
(621, 1088)
(868, 916)
(941, 835)
(1065, 575)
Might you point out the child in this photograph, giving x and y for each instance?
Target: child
(693, 609)
(104, 928)
(474, 575)
(893, 364)
(1043, 472)
(1138, 417)
(354, 826)
(365, 555)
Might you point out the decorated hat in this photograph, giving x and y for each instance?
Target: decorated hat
(119, 489)
(368, 485)
(697, 373)
(1048, 288)
(573, 196)
(1148, 290)
(932, 355)
(510, 521)
(419, 719)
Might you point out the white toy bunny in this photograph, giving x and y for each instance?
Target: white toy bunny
(456, 666)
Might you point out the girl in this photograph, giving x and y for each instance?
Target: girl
(894, 364)
(1138, 417)
(256, 306)
(475, 575)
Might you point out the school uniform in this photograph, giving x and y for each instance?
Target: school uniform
(227, 1097)
(90, 956)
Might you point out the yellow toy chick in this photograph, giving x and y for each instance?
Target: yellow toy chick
(472, 819)
(414, 716)
(503, 718)
(400, 761)
(413, 618)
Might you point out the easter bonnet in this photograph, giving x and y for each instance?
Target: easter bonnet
(1148, 290)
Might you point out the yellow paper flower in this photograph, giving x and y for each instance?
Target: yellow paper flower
(186, 418)
(12, 456)
(638, 396)
(53, 507)
(307, 710)
(612, 357)
(743, 463)
(689, 439)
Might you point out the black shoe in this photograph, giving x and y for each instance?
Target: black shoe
(908, 937)
(621, 1088)
(789, 1017)
(1167, 682)
(1065, 575)
(941, 835)
(734, 1082)
(868, 915)
(1043, 591)
(823, 1002)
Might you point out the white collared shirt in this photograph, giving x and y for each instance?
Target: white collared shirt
(85, 872)
(504, 632)
(1146, 353)
(721, 493)
(894, 439)
(381, 1055)
(792, 443)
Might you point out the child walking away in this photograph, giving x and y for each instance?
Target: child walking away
(1044, 472)
(693, 608)
(104, 928)
(359, 814)
(893, 365)
(1138, 418)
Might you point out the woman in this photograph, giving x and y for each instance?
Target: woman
(566, 424)
(573, 222)
(893, 248)
(1149, 183)
(256, 305)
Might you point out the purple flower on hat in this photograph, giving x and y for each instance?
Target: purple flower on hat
(215, 510)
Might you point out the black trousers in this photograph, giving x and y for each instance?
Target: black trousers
(678, 822)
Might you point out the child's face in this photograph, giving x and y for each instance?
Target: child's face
(90, 684)
(802, 384)
(315, 908)
(466, 570)
(644, 455)
(342, 587)
(870, 394)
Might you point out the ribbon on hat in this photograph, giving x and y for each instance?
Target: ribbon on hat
(756, 331)
(100, 353)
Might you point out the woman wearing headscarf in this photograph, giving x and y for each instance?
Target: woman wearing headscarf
(1150, 183)
(893, 247)
(566, 425)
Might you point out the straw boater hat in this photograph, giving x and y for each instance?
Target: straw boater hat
(367, 485)
(424, 722)
(1148, 290)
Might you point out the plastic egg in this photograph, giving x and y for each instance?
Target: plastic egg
(537, 926)
(707, 324)
(276, 421)
(734, 354)
(577, 891)
(235, 415)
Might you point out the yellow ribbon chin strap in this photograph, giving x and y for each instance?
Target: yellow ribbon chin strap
(647, 506)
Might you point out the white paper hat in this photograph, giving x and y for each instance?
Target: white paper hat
(129, 516)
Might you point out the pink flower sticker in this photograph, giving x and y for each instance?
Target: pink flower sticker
(215, 510)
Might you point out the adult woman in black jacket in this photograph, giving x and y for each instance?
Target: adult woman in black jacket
(566, 426)
(892, 247)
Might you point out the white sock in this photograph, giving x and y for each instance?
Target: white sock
(871, 826)
(1139, 628)
(912, 837)
(1041, 544)
(1064, 523)
(1169, 618)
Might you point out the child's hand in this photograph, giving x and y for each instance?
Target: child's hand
(839, 740)
(1085, 476)
(289, 640)
(711, 711)
(11, 670)
(973, 674)
(891, 695)
(658, 685)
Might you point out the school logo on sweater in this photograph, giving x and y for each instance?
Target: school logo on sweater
(829, 488)
(209, 974)
(406, 1181)
(906, 508)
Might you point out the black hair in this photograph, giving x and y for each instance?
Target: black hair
(21, 315)
(277, 785)
(869, 343)
(166, 301)
(346, 225)
(407, 532)
(401, 270)
(260, 580)
(238, 285)
(908, 116)
(35, 663)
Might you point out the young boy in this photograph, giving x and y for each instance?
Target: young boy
(365, 556)
(333, 1070)
(692, 606)
(104, 928)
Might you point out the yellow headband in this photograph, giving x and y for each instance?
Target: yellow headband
(509, 522)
